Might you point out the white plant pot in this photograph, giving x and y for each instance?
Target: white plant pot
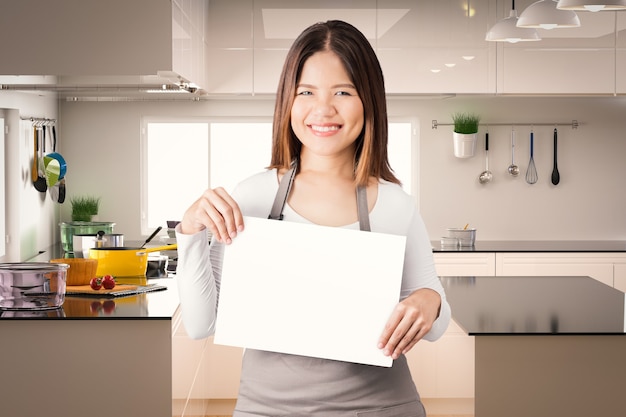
(464, 144)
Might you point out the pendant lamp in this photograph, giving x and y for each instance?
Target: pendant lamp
(544, 14)
(591, 5)
(506, 30)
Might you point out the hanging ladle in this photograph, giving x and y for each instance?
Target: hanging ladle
(486, 175)
(513, 169)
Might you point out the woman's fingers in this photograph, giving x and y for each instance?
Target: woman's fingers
(410, 321)
(217, 211)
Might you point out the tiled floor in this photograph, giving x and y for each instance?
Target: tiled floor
(435, 408)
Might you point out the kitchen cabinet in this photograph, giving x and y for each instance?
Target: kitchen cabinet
(566, 61)
(436, 47)
(599, 266)
(248, 41)
(201, 371)
(465, 263)
(619, 275)
(620, 55)
(113, 42)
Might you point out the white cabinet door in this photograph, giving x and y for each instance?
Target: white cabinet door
(445, 368)
(436, 47)
(186, 358)
(619, 278)
(595, 265)
(221, 371)
(566, 61)
(621, 54)
(465, 263)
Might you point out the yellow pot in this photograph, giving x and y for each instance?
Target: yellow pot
(123, 261)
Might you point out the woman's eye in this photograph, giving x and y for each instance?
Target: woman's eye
(304, 93)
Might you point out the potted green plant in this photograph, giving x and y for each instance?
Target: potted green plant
(465, 134)
(84, 208)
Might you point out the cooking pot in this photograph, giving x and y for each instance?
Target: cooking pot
(32, 285)
(124, 261)
(82, 243)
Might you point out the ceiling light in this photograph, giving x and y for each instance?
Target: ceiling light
(544, 14)
(506, 30)
(591, 6)
(451, 65)
(468, 57)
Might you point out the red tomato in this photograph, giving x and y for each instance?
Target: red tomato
(108, 282)
(95, 283)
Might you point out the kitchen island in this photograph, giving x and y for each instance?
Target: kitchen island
(95, 356)
(544, 346)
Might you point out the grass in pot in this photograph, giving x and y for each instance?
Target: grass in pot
(465, 134)
(84, 208)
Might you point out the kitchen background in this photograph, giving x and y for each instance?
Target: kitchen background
(507, 85)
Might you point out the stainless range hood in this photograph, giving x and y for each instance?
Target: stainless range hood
(110, 49)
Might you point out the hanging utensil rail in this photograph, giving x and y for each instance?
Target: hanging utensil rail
(40, 121)
(574, 124)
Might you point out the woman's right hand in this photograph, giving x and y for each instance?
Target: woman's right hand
(214, 210)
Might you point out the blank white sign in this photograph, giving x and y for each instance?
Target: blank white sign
(309, 290)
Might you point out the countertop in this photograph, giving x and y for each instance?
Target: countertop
(157, 305)
(537, 246)
(566, 305)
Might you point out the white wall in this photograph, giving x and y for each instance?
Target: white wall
(31, 217)
(100, 141)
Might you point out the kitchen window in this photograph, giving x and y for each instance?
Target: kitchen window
(181, 159)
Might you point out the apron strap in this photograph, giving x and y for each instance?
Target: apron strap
(281, 195)
(362, 209)
(283, 192)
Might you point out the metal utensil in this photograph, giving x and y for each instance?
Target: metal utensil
(486, 175)
(556, 177)
(513, 169)
(151, 236)
(531, 172)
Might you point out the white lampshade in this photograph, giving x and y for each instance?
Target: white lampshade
(544, 14)
(591, 5)
(506, 30)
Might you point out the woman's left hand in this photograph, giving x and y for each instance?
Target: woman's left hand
(412, 318)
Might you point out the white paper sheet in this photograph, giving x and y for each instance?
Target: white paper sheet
(309, 290)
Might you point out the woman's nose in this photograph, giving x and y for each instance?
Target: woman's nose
(324, 106)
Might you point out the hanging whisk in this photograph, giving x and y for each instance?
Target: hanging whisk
(531, 172)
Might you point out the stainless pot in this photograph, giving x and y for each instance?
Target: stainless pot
(82, 243)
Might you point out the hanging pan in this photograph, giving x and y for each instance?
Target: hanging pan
(56, 167)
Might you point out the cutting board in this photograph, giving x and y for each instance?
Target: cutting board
(120, 290)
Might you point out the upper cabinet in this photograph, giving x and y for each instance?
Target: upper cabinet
(75, 40)
(566, 61)
(423, 46)
(435, 46)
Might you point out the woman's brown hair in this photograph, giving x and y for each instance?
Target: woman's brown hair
(361, 64)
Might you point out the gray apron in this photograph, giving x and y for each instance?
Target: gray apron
(282, 385)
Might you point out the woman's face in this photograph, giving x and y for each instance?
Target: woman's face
(327, 113)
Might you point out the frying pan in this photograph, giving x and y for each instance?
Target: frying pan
(56, 168)
(124, 261)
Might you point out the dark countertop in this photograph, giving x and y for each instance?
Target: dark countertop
(535, 305)
(537, 246)
(159, 305)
